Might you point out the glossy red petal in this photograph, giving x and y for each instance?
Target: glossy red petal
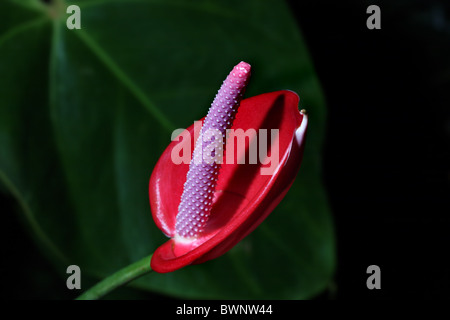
(244, 197)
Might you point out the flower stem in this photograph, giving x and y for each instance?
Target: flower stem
(120, 278)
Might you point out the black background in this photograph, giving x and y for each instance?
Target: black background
(386, 158)
(387, 153)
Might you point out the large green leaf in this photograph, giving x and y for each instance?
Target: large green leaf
(85, 114)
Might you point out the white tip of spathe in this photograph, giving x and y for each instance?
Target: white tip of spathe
(301, 130)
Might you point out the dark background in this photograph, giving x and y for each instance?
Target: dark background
(386, 156)
(387, 153)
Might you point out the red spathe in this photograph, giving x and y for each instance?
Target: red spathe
(243, 198)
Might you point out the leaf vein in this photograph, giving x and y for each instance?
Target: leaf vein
(125, 80)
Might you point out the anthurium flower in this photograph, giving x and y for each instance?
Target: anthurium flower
(207, 207)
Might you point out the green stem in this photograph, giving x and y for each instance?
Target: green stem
(120, 278)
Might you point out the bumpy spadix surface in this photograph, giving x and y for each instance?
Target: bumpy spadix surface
(198, 192)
